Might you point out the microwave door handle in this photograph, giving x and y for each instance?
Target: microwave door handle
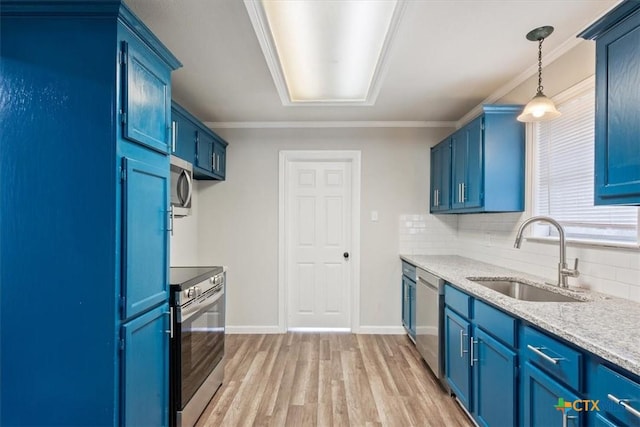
(189, 188)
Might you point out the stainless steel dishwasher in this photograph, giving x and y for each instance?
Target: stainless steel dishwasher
(429, 320)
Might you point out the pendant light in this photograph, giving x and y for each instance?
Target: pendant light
(540, 108)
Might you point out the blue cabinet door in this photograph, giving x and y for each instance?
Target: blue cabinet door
(204, 151)
(617, 152)
(440, 176)
(145, 240)
(542, 395)
(146, 92)
(183, 137)
(457, 366)
(405, 303)
(145, 369)
(494, 374)
(458, 167)
(412, 308)
(219, 160)
(473, 184)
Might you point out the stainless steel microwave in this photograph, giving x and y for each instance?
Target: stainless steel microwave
(181, 186)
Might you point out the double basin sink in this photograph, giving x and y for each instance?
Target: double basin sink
(519, 290)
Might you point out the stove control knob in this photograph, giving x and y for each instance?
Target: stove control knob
(191, 292)
(212, 280)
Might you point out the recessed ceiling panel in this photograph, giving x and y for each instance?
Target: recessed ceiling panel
(325, 51)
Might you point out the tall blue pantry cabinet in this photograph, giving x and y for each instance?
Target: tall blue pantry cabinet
(85, 99)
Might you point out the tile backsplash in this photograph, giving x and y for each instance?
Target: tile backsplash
(422, 234)
(490, 238)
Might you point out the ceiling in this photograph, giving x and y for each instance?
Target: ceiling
(447, 57)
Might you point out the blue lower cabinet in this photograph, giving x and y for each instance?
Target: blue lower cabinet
(494, 377)
(409, 306)
(457, 366)
(544, 400)
(145, 369)
(619, 396)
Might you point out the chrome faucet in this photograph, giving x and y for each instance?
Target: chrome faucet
(563, 271)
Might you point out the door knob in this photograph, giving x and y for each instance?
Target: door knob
(346, 255)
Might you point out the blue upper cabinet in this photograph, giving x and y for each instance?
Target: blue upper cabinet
(441, 176)
(197, 144)
(146, 95)
(487, 160)
(617, 152)
(183, 134)
(88, 86)
(467, 166)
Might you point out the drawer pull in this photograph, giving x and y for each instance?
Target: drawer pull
(537, 350)
(624, 403)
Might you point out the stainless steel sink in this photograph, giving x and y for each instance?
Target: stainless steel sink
(523, 291)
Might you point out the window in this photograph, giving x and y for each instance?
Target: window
(564, 177)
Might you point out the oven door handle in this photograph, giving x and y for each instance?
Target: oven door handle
(211, 300)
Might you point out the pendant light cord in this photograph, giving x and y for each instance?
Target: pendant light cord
(540, 65)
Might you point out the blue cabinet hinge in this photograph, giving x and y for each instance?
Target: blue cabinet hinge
(121, 344)
(123, 177)
(123, 57)
(123, 117)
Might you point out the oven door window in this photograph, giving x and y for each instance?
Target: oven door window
(202, 348)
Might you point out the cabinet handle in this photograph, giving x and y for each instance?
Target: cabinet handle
(566, 418)
(537, 350)
(171, 215)
(463, 191)
(472, 342)
(625, 404)
(462, 350)
(170, 331)
(217, 162)
(174, 132)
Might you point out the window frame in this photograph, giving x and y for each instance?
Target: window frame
(532, 163)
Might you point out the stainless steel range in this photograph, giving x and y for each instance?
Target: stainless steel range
(197, 341)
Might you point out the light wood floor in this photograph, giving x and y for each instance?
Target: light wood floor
(318, 379)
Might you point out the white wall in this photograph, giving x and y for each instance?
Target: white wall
(238, 218)
(184, 241)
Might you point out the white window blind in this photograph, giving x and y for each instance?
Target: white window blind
(564, 177)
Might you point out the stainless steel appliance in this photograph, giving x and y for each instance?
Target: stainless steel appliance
(429, 320)
(197, 342)
(181, 186)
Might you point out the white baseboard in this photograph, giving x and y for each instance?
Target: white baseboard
(381, 330)
(242, 329)
(275, 329)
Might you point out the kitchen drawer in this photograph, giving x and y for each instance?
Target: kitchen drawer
(556, 358)
(409, 270)
(457, 300)
(619, 396)
(495, 322)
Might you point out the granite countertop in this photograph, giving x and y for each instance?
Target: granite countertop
(603, 325)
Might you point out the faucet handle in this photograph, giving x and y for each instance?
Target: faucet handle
(575, 272)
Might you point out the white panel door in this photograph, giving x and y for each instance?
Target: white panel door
(319, 232)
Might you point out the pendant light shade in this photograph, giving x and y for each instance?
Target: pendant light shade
(540, 108)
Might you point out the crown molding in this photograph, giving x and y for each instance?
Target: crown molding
(260, 24)
(329, 124)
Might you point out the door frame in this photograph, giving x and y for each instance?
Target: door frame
(286, 159)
